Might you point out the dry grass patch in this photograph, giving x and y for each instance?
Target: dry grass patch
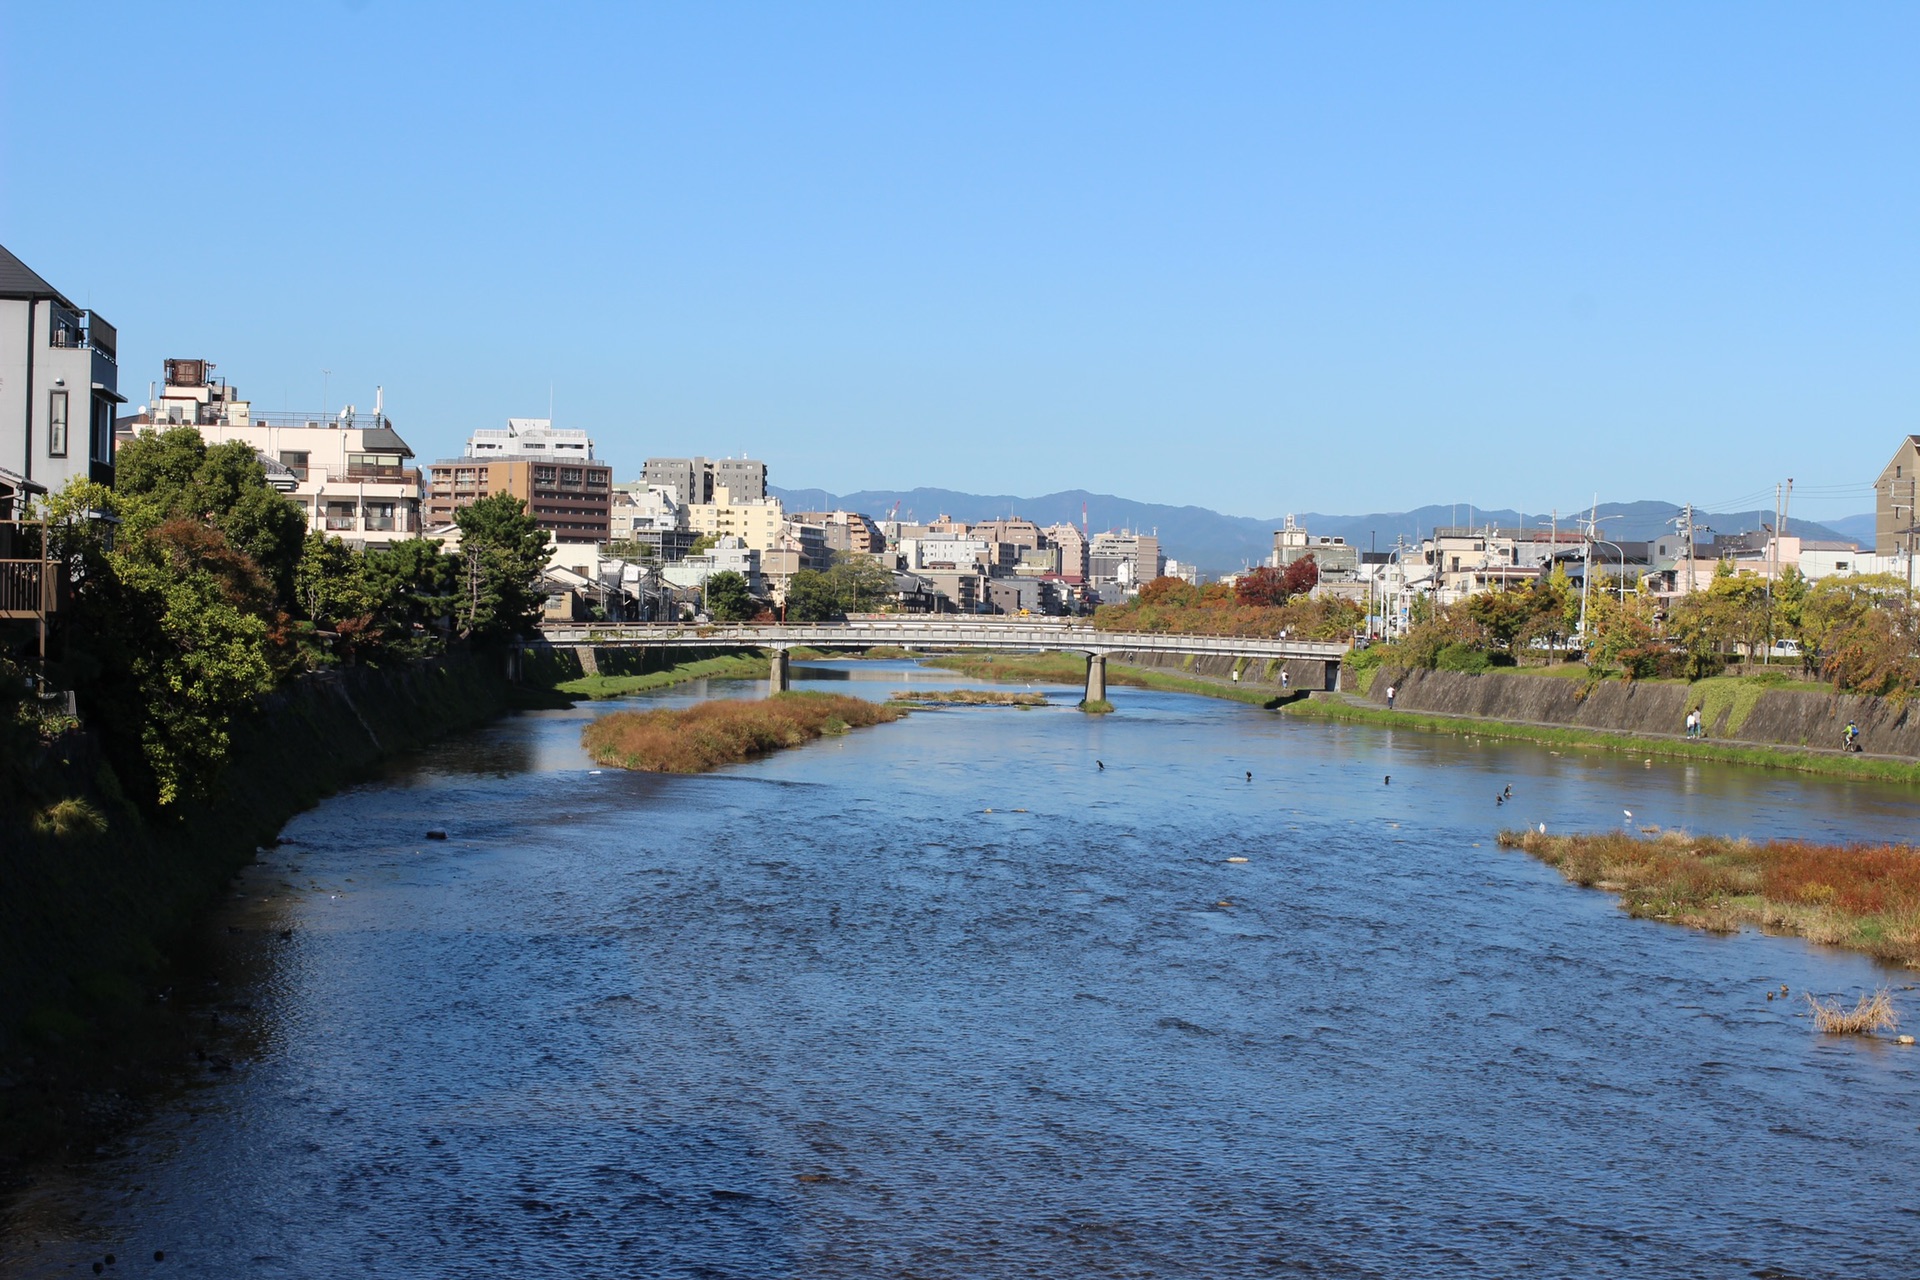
(1862, 897)
(969, 698)
(1873, 1013)
(703, 737)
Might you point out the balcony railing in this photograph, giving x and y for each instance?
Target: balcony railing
(29, 588)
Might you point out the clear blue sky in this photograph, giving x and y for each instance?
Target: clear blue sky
(1262, 258)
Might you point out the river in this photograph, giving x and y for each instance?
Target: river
(946, 998)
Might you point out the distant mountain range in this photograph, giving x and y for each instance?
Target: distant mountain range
(1222, 543)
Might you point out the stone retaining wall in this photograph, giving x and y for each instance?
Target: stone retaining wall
(1765, 717)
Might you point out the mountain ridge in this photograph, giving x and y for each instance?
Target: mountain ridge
(1220, 543)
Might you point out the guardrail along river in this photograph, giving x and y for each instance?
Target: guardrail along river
(946, 998)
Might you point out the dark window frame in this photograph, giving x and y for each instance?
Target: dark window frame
(59, 407)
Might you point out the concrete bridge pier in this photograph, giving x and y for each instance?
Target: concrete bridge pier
(779, 672)
(1096, 677)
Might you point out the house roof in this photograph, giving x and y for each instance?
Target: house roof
(18, 280)
(386, 440)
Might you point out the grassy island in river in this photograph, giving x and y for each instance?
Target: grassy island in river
(699, 738)
(1862, 897)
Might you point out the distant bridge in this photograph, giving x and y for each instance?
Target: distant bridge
(941, 632)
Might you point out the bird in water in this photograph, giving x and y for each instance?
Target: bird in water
(1509, 791)
(1249, 775)
(1102, 764)
(1499, 799)
(1388, 781)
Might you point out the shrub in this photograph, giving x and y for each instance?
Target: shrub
(1461, 657)
(70, 818)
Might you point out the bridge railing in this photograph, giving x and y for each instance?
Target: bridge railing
(1000, 632)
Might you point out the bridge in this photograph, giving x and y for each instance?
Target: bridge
(941, 632)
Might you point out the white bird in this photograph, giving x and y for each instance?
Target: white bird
(1628, 812)
(1543, 828)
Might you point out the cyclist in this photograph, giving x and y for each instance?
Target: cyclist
(1850, 740)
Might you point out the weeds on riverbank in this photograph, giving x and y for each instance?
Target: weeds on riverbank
(699, 738)
(1071, 668)
(1862, 897)
(968, 698)
(1873, 1013)
(731, 667)
(1834, 763)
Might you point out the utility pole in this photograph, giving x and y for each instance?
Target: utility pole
(1586, 573)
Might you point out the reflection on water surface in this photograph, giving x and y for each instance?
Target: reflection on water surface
(942, 998)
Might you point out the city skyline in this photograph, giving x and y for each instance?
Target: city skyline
(1249, 259)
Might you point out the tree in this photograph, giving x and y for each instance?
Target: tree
(810, 597)
(502, 551)
(860, 583)
(174, 474)
(728, 599)
(415, 587)
(703, 544)
(1300, 577)
(1264, 587)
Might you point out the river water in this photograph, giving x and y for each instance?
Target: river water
(946, 998)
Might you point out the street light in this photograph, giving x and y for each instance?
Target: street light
(1623, 565)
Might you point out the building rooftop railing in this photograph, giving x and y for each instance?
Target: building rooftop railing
(335, 421)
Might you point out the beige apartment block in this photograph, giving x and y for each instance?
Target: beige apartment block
(757, 522)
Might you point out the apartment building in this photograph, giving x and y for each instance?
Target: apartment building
(350, 473)
(1896, 524)
(756, 521)
(59, 380)
(1073, 544)
(1128, 560)
(650, 516)
(696, 481)
(568, 492)
(846, 530)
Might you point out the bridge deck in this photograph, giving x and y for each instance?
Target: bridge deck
(1045, 634)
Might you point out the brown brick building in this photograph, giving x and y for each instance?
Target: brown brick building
(570, 498)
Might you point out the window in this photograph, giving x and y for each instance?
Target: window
(295, 460)
(57, 424)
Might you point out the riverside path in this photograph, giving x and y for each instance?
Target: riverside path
(940, 632)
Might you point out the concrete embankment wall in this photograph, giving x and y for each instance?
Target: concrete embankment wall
(1261, 673)
(86, 918)
(1733, 712)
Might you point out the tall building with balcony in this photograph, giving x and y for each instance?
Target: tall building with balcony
(59, 381)
(695, 481)
(568, 492)
(758, 522)
(350, 472)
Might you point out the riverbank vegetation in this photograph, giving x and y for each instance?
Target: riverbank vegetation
(1862, 897)
(1837, 764)
(1853, 634)
(1071, 669)
(968, 698)
(197, 588)
(699, 738)
(604, 685)
(1264, 603)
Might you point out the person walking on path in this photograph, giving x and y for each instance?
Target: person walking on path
(1390, 692)
(1286, 679)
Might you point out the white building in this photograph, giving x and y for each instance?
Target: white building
(729, 555)
(350, 472)
(531, 438)
(58, 379)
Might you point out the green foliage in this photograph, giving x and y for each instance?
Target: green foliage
(810, 597)
(1459, 656)
(176, 475)
(859, 583)
(703, 544)
(502, 551)
(70, 819)
(727, 597)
